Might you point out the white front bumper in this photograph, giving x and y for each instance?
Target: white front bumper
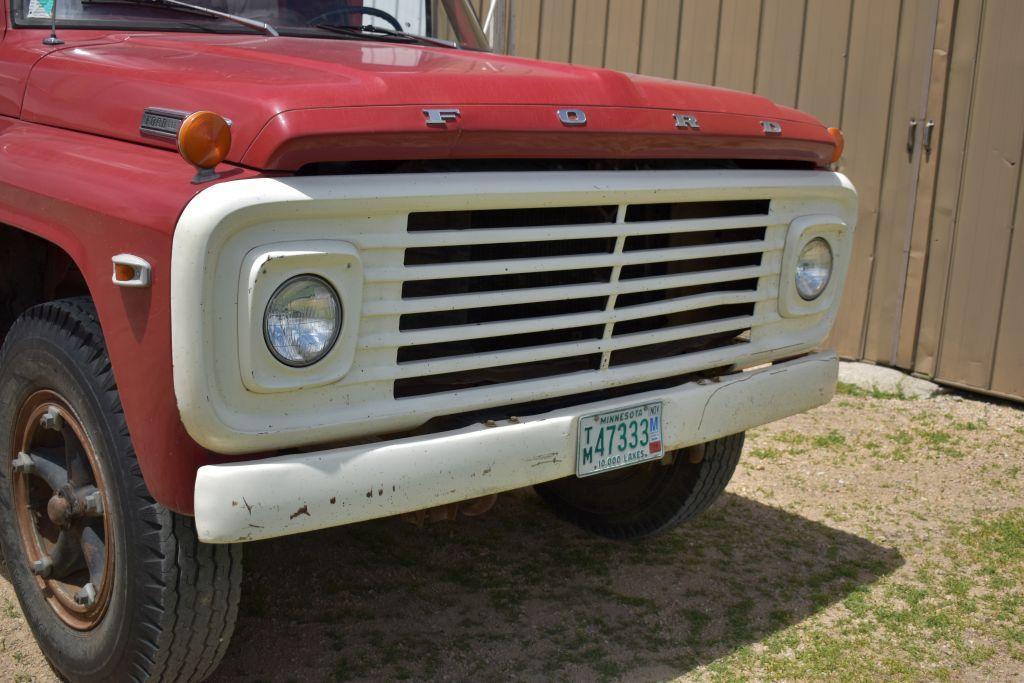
(308, 491)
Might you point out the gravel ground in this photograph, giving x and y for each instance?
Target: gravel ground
(873, 538)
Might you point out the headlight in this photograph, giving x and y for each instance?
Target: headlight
(302, 321)
(813, 269)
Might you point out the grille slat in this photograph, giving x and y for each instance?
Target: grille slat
(539, 294)
(540, 265)
(550, 233)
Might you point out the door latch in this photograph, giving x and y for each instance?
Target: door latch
(929, 127)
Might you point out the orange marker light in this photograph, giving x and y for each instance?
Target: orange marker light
(837, 137)
(204, 141)
(123, 272)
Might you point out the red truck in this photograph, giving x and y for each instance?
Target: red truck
(270, 266)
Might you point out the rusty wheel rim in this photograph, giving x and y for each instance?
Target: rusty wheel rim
(63, 511)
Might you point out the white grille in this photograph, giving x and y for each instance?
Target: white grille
(485, 291)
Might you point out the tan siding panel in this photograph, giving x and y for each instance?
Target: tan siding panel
(590, 18)
(778, 59)
(988, 198)
(526, 27)
(739, 27)
(1008, 373)
(865, 124)
(556, 30)
(622, 49)
(823, 66)
(698, 41)
(660, 38)
(953, 140)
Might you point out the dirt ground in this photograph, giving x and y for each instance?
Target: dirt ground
(873, 538)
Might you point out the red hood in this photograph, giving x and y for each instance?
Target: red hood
(295, 100)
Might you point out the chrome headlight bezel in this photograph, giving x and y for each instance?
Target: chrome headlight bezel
(338, 322)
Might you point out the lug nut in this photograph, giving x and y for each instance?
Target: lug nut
(94, 503)
(87, 596)
(23, 464)
(42, 567)
(52, 420)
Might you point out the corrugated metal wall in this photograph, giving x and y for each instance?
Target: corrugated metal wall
(938, 273)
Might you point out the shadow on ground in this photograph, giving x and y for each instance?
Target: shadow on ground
(519, 594)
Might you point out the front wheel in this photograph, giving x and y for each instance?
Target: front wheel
(113, 585)
(644, 500)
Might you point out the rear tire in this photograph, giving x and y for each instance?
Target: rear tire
(171, 603)
(644, 500)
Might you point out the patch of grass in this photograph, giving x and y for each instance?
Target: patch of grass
(766, 453)
(11, 610)
(831, 440)
(791, 438)
(847, 389)
(637, 601)
(935, 438)
(901, 437)
(998, 544)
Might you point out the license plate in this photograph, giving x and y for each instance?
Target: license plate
(618, 438)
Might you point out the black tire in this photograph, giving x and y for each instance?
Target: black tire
(173, 601)
(647, 499)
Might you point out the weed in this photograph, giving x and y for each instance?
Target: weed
(765, 453)
(10, 610)
(902, 438)
(935, 438)
(847, 389)
(831, 440)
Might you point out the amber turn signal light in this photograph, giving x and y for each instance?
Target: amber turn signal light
(840, 142)
(204, 141)
(123, 272)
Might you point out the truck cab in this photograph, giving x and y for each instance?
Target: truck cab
(270, 266)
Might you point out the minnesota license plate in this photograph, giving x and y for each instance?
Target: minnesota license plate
(618, 438)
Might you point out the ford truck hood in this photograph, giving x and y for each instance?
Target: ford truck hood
(293, 101)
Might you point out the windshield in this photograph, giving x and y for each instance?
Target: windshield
(449, 20)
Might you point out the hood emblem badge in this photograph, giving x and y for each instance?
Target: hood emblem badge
(441, 117)
(162, 123)
(684, 121)
(572, 117)
(159, 122)
(771, 128)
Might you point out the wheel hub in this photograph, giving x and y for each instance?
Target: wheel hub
(60, 501)
(59, 509)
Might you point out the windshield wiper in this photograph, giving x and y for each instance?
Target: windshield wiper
(261, 26)
(361, 31)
